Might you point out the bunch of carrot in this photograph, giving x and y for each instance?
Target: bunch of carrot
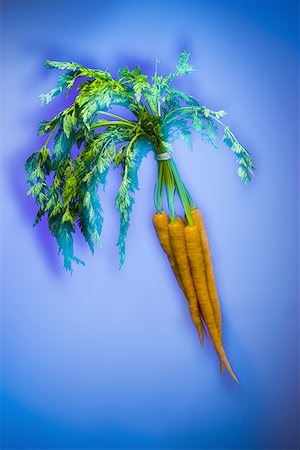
(187, 248)
(66, 184)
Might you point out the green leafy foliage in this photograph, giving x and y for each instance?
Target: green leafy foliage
(245, 166)
(179, 121)
(184, 68)
(65, 82)
(124, 201)
(85, 139)
(78, 70)
(62, 145)
(69, 124)
(136, 80)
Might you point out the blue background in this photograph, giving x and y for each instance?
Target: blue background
(108, 358)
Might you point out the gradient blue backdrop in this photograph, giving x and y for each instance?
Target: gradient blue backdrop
(109, 359)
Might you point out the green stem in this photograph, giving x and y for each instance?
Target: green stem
(143, 133)
(50, 135)
(115, 116)
(151, 110)
(179, 109)
(128, 149)
(168, 177)
(224, 126)
(229, 131)
(212, 116)
(148, 109)
(107, 123)
(184, 195)
(155, 85)
(170, 189)
(159, 188)
(158, 108)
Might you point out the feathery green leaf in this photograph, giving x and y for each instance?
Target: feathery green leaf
(84, 140)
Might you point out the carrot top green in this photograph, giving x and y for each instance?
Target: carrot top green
(87, 138)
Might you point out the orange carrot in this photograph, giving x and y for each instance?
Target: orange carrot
(209, 271)
(197, 264)
(211, 283)
(160, 222)
(177, 241)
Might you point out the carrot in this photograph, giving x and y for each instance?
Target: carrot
(177, 241)
(160, 222)
(210, 278)
(211, 283)
(197, 264)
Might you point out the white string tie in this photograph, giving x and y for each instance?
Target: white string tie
(163, 156)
